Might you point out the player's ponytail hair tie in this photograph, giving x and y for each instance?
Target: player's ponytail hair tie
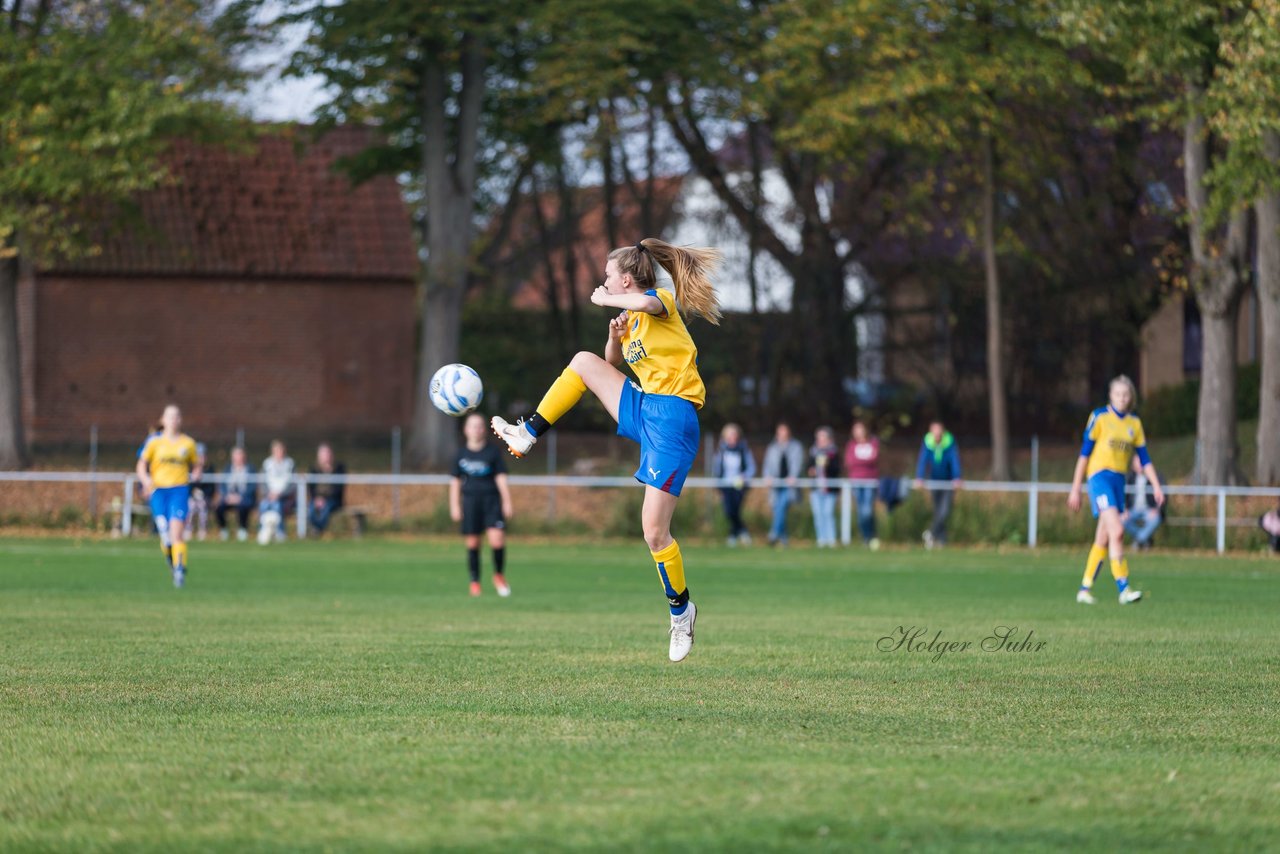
(641, 247)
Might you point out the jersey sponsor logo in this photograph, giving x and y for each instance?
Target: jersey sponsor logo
(635, 352)
(474, 468)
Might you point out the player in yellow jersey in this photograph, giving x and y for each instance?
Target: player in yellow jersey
(1111, 438)
(661, 413)
(167, 465)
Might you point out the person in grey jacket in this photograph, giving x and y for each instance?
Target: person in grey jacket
(783, 463)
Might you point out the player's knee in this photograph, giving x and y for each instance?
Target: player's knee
(657, 537)
(583, 361)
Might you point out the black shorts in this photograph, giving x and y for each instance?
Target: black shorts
(481, 512)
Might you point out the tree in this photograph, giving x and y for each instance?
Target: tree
(438, 79)
(92, 95)
(704, 67)
(1174, 59)
(1248, 94)
(944, 79)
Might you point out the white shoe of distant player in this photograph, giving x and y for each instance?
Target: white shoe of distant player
(1084, 597)
(927, 536)
(682, 633)
(1130, 595)
(518, 438)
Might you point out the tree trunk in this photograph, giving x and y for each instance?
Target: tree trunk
(995, 337)
(13, 447)
(449, 173)
(1219, 275)
(1267, 210)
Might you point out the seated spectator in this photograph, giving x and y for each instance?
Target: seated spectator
(1270, 524)
(325, 497)
(238, 493)
(1143, 514)
(824, 465)
(200, 498)
(734, 465)
(279, 500)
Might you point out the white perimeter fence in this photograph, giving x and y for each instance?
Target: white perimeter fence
(1033, 490)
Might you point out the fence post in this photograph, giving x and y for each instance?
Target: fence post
(93, 467)
(846, 513)
(126, 511)
(301, 511)
(239, 437)
(1222, 521)
(395, 469)
(1033, 508)
(552, 462)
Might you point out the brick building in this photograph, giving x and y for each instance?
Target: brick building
(261, 290)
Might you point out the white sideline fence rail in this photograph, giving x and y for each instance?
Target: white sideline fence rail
(1032, 489)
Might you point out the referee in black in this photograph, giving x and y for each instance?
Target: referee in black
(480, 499)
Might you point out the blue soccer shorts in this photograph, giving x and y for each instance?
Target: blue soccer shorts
(170, 503)
(666, 427)
(1106, 492)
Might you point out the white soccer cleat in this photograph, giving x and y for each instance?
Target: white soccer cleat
(500, 584)
(518, 438)
(682, 633)
(1084, 597)
(1130, 595)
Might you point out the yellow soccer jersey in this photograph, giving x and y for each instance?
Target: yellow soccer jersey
(1110, 441)
(661, 353)
(170, 460)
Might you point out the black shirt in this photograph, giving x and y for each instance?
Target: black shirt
(477, 469)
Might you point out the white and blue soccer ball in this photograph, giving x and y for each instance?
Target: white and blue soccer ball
(456, 390)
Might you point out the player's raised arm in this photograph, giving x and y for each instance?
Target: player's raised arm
(613, 344)
(628, 302)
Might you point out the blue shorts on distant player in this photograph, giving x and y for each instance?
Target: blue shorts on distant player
(667, 429)
(1106, 491)
(170, 502)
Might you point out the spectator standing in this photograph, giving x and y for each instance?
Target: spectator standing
(325, 497)
(939, 460)
(824, 465)
(277, 470)
(239, 492)
(783, 462)
(862, 462)
(734, 465)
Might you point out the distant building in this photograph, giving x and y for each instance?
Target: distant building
(260, 291)
(1171, 347)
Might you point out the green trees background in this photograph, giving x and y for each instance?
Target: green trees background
(1048, 171)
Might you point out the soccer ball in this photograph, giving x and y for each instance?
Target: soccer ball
(456, 390)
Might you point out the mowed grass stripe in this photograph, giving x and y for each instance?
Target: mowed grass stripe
(322, 696)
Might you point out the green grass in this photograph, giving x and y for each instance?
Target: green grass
(330, 696)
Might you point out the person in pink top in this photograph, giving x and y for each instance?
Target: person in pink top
(862, 462)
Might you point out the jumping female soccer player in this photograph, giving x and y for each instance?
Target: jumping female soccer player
(661, 413)
(167, 465)
(480, 499)
(1111, 438)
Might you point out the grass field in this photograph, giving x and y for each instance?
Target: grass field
(332, 696)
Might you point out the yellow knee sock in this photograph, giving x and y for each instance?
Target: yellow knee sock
(1097, 555)
(671, 571)
(563, 395)
(1120, 572)
(180, 554)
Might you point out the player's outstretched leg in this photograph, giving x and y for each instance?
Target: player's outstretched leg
(586, 371)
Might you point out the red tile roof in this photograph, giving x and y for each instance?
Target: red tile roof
(278, 209)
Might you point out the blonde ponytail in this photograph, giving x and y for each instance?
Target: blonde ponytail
(690, 269)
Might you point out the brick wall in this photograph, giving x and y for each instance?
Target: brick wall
(299, 357)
